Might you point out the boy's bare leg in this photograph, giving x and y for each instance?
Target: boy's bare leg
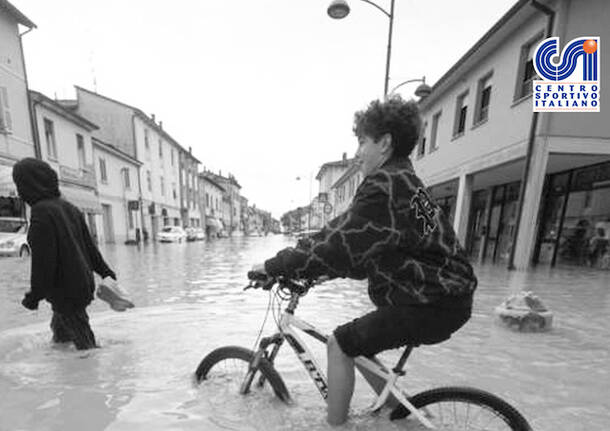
(340, 382)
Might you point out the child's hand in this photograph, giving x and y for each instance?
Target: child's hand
(29, 303)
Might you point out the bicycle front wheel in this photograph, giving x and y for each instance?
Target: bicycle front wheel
(230, 366)
(452, 408)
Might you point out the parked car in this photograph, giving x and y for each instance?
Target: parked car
(194, 234)
(13, 237)
(171, 234)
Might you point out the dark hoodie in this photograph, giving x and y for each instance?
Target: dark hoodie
(63, 253)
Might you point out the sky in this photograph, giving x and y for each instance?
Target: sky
(263, 89)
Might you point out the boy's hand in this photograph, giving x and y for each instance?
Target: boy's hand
(29, 303)
(259, 267)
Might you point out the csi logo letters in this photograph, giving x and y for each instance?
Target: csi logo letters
(570, 80)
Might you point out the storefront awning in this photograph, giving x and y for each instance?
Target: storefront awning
(213, 222)
(7, 186)
(84, 199)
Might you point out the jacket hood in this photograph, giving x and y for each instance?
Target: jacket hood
(35, 180)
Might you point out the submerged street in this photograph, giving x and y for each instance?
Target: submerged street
(189, 300)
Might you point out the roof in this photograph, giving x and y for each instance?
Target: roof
(474, 49)
(149, 121)
(59, 109)
(15, 13)
(351, 170)
(211, 181)
(219, 178)
(328, 165)
(117, 152)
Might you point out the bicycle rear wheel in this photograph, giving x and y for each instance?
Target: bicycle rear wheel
(452, 408)
(230, 365)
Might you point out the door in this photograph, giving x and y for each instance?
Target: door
(107, 221)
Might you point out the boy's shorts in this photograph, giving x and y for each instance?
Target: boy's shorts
(391, 327)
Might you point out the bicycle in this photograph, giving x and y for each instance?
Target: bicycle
(439, 408)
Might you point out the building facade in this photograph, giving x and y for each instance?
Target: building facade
(143, 138)
(476, 134)
(118, 191)
(189, 190)
(212, 205)
(231, 203)
(344, 189)
(16, 136)
(65, 142)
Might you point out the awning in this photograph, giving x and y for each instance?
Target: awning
(213, 222)
(84, 199)
(7, 186)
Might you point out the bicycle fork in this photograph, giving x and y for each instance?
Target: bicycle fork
(276, 340)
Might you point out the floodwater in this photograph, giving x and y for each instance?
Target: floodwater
(189, 300)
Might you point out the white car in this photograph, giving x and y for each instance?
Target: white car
(13, 237)
(171, 234)
(194, 234)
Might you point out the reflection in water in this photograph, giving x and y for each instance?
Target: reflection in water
(190, 300)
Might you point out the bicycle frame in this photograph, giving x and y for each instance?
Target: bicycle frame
(288, 323)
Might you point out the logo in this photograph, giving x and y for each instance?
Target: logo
(425, 210)
(570, 80)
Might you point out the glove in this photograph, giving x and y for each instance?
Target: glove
(29, 303)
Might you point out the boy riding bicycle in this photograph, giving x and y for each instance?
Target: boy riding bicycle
(394, 235)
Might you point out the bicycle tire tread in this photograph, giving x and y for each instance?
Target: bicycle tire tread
(246, 355)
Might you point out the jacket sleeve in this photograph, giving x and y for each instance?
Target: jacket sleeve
(43, 244)
(95, 257)
(348, 242)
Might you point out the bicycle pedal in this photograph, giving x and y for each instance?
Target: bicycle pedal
(399, 412)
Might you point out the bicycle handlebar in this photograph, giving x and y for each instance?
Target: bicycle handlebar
(260, 280)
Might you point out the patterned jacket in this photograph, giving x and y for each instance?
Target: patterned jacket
(395, 235)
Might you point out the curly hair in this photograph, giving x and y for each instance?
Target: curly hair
(395, 116)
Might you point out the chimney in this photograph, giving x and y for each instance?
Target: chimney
(153, 117)
(344, 157)
(190, 150)
(161, 125)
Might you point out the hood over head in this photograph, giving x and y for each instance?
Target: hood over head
(35, 180)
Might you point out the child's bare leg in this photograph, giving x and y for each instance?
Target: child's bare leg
(340, 382)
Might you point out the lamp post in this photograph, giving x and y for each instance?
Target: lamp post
(339, 9)
(421, 91)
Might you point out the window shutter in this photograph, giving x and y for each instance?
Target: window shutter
(5, 115)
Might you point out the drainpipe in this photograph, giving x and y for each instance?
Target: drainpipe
(140, 197)
(33, 128)
(550, 13)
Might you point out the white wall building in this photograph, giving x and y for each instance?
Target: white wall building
(118, 188)
(16, 136)
(476, 134)
(64, 139)
(212, 203)
(144, 139)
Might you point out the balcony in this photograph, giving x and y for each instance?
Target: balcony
(81, 177)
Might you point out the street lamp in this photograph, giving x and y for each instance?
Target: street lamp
(422, 90)
(339, 9)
